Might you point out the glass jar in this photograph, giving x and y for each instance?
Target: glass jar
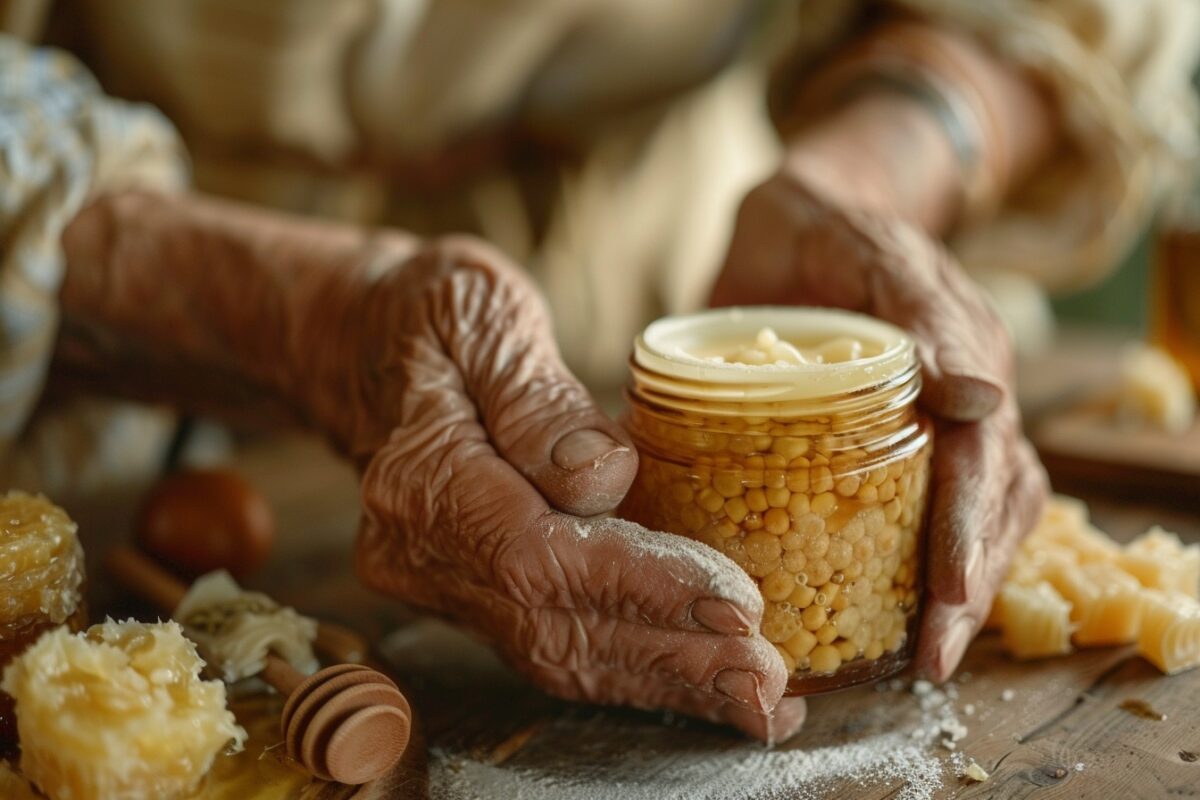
(41, 582)
(1175, 296)
(810, 473)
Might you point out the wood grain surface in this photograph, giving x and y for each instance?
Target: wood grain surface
(1060, 713)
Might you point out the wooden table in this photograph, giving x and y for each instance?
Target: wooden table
(1062, 712)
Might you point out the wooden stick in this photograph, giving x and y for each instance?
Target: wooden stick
(152, 583)
(159, 588)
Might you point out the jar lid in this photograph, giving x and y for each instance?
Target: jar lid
(674, 354)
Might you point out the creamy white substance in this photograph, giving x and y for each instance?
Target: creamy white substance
(236, 629)
(768, 349)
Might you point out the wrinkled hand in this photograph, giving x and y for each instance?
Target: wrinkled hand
(484, 459)
(432, 366)
(796, 244)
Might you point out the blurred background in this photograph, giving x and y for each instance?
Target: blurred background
(606, 146)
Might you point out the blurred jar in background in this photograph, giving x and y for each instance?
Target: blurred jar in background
(1175, 313)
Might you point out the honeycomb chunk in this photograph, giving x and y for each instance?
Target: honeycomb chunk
(1036, 621)
(118, 712)
(1068, 576)
(1159, 560)
(1170, 634)
(1155, 390)
(41, 562)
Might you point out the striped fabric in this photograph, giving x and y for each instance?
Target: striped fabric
(61, 140)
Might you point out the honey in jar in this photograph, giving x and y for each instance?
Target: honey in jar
(41, 581)
(1176, 293)
(789, 440)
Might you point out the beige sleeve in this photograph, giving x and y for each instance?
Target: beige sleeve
(1121, 72)
(61, 141)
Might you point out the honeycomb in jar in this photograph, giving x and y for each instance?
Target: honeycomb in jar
(829, 533)
(41, 562)
(118, 712)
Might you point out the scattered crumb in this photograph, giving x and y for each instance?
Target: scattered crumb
(1007, 695)
(969, 709)
(967, 767)
(954, 729)
(942, 726)
(1079, 766)
(976, 772)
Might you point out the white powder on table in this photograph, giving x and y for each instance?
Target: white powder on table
(908, 759)
(750, 773)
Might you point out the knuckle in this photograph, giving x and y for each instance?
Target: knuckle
(486, 311)
(557, 640)
(665, 665)
(466, 259)
(423, 509)
(508, 562)
(530, 406)
(524, 565)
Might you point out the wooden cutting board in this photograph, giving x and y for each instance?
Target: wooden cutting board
(1084, 442)
(1065, 396)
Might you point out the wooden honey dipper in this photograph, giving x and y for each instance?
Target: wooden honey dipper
(347, 723)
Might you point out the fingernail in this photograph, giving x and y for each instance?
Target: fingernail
(584, 448)
(972, 394)
(970, 398)
(721, 616)
(954, 644)
(973, 573)
(740, 686)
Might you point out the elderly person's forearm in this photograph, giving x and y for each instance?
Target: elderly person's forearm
(921, 122)
(210, 305)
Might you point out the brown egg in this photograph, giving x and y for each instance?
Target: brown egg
(197, 521)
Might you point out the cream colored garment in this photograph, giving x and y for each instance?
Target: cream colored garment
(631, 229)
(638, 223)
